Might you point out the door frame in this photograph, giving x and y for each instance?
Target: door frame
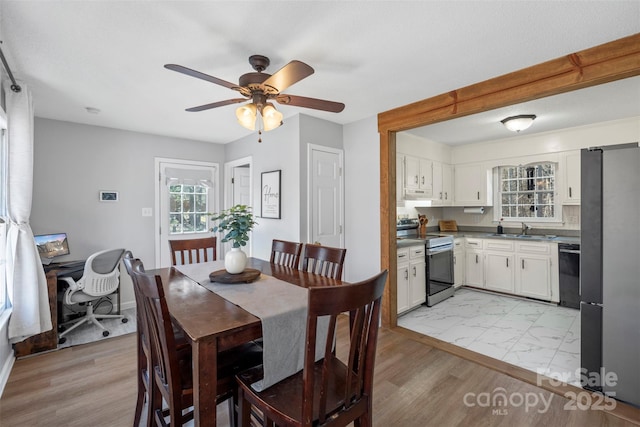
(340, 153)
(158, 175)
(228, 195)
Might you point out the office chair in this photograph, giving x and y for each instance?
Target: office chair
(100, 278)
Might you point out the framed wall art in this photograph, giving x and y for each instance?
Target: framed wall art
(270, 194)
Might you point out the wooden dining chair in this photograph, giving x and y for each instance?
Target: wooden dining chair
(169, 366)
(285, 253)
(192, 251)
(324, 260)
(329, 388)
(144, 349)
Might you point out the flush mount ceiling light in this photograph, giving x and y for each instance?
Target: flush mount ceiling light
(518, 123)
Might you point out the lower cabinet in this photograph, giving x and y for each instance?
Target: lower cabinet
(533, 278)
(458, 262)
(412, 276)
(510, 266)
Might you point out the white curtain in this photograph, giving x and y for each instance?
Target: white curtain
(26, 282)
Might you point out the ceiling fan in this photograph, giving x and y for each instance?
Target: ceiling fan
(260, 88)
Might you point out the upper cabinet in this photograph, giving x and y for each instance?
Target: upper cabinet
(442, 184)
(570, 164)
(418, 178)
(472, 185)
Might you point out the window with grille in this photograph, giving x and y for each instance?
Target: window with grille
(528, 192)
(188, 207)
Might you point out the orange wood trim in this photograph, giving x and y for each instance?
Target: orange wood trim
(607, 62)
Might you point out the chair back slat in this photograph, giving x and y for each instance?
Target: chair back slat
(285, 253)
(193, 251)
(324, 260)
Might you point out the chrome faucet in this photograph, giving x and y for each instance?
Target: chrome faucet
(525, 227)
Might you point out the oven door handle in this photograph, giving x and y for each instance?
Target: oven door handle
(439, 251)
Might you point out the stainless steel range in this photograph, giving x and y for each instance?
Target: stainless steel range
(439, 259)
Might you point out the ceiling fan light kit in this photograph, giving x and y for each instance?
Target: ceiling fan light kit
(518, 123)
(259, 88)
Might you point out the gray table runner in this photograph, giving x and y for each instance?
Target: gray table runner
(282, 308)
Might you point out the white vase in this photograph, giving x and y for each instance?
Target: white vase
(235, 261)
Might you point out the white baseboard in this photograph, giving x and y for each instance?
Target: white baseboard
(6, 371)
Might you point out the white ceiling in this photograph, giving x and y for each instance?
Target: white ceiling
(371, 55)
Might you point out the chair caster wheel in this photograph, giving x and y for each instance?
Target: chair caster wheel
(125, 320)
(62, 340)
(105, 333)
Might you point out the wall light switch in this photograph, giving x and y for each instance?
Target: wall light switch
(147, 212)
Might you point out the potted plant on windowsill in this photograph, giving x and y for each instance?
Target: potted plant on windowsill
(235, 224)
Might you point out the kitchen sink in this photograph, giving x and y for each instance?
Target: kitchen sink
(522, 236)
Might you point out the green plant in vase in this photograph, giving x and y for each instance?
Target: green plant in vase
(234, 224)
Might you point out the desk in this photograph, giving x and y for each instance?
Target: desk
(213, 324)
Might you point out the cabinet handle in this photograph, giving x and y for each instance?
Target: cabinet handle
(507, 262)
(569, 191)
(478, 195)
(441, 195)
(523, 264)
(476, 258)
(416, 179)
(414, 271)
(406, 275)
(422, 180)
(446, 195)
(402, 256)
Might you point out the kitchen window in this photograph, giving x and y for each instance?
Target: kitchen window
(528, 192)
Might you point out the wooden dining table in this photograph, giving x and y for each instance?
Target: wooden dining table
(212, 324)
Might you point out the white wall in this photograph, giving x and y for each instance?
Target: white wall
(279, 149)
(362, 199)
(73, 162)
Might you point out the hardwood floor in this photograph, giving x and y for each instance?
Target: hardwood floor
(416, 384)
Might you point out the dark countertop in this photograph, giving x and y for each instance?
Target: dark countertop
(403, 243)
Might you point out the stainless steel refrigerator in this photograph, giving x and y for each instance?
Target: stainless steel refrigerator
(610, 270)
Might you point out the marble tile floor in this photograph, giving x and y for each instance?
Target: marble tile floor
(534, 335)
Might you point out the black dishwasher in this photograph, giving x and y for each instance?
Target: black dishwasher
(569, 265)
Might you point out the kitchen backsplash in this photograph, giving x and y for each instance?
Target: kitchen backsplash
(570, 215)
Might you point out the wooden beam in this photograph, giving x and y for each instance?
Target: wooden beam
(608, 62)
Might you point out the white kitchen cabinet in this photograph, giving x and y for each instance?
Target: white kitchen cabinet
(570, 164)
(499, 274)
(442, 184)
(417, 276)
(402, 294)
(411, 279)
(474, 263)
(499, 265)
(458, 262)
(472, 185)
(533, 277)
(418, 177)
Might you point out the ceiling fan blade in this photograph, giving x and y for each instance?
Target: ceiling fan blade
(216, 104)
(291, 73)
(317, 104)
(203, 76)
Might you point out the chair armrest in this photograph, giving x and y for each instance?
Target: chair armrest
(73, 285)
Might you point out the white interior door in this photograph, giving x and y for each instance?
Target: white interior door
(186, 191)
(241, 186)
(326, 214)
